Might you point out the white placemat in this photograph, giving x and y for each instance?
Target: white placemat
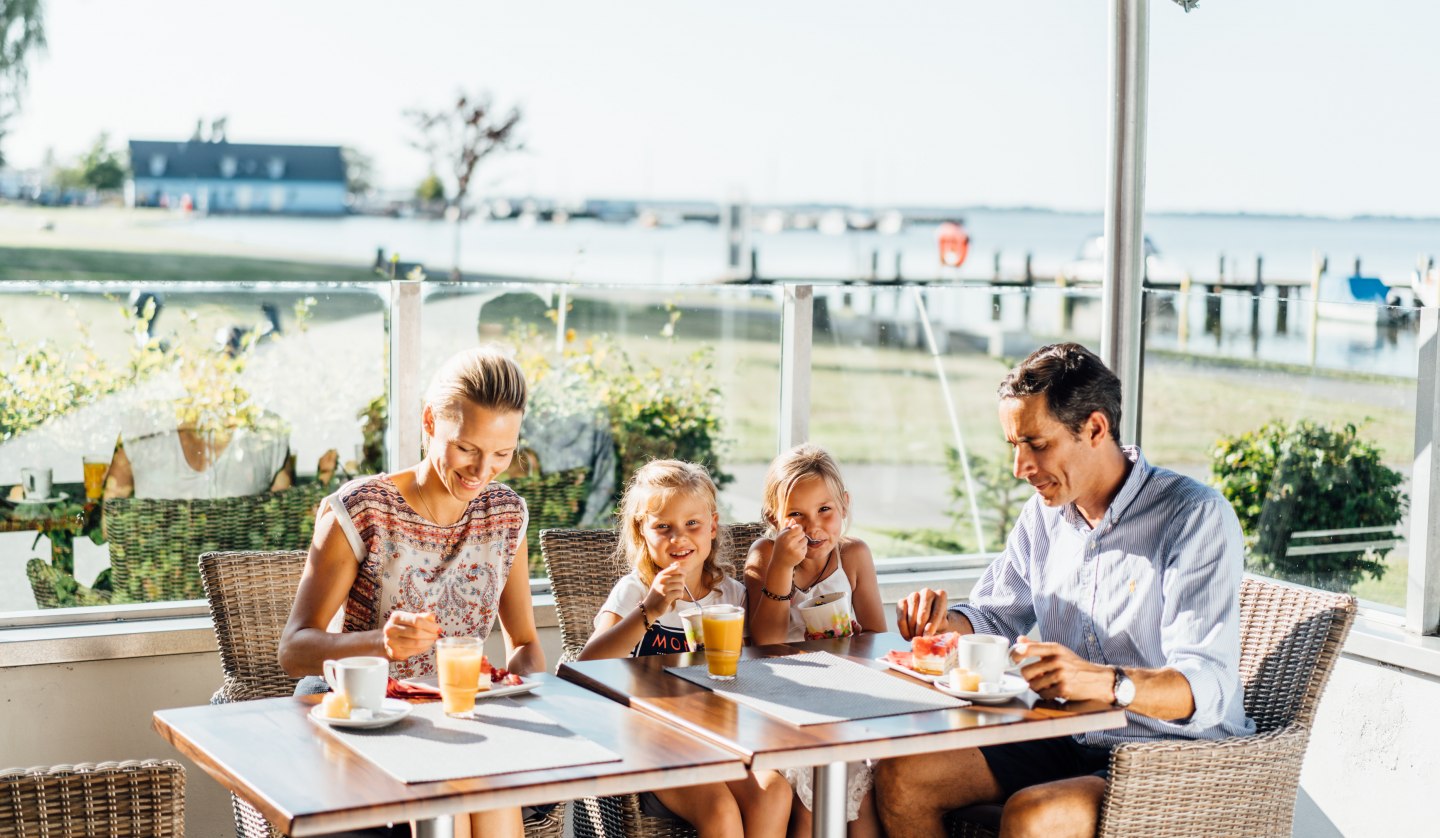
(819, 688)
(504, 737)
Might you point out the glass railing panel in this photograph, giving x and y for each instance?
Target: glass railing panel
(630, 373)
(883, 397)
(1304, 414)
(211, 389)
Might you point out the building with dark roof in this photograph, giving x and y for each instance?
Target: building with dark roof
(226, 177)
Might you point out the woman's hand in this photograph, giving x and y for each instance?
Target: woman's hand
(407, 635)
(668, 587)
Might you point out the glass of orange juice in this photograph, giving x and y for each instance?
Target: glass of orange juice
(722, 627)
(96, 466)
(458, 660)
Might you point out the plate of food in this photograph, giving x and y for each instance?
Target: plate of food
(1010, 686)
(904, 662)
(336, 712)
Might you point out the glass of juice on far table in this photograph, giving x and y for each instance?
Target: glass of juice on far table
(458, 660)
(96, 467)
(722, 626)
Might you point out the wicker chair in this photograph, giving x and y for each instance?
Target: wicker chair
(132, 799)
(154, 542)
(250, 595)
(582, 572)
(1290, 639)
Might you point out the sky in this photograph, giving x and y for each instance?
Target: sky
(1308, 106)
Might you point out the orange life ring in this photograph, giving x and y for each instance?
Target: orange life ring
(954, 244)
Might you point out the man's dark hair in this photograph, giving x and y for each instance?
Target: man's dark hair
(1074, 381)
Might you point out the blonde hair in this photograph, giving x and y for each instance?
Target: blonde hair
(485, 376)
(804, 461)
(653, 485)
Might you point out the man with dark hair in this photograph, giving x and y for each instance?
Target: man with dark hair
(1131, 575)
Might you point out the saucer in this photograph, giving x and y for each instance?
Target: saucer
(392, 711)
(41, 501)
(1011, 686)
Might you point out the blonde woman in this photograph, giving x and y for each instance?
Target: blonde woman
(400, 559)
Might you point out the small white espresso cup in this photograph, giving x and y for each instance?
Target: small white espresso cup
(361, 679)
(36, 482)
(987, 654)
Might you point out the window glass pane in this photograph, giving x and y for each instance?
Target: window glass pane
(879, 407)
(1303, 415)
(211, 388)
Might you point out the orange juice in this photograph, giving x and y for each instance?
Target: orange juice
(95, 478)
(722, 626)
(458, 661)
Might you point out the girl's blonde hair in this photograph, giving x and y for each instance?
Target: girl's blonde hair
(799, 463)
(485, 376)
(653, 485)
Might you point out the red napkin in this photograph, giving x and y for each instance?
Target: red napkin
(408, 689)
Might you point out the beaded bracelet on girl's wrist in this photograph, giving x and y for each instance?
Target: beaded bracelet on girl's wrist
(767, 592)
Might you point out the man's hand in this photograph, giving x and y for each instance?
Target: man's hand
(1060, 673)
(921, 613)
(408, 635)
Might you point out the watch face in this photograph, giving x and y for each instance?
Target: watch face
(1124, 691)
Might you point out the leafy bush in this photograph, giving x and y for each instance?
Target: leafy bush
(1283, 479)
(1000, 495)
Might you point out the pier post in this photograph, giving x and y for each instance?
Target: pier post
(1317, 269)
(1256, 290)
(898, 275)
(1182, 316)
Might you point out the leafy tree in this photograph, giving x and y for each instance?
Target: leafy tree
(359, 171)
(1283, 479)
(102, 168)
(457, 139)
(431, 189)
(22, 33)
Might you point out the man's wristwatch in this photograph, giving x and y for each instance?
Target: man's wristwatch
(1124, 688)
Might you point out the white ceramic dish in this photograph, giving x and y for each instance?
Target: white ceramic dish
(496, 691)
(1011, 686)
(392, 711)
(41, 501)
(913, 673)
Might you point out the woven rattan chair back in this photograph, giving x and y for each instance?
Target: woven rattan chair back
(154, 542)
(133, 799)
(250, 594)
(1290, 638)
(583, 567)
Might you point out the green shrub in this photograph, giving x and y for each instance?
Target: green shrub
(999, 495)
(1283, 479)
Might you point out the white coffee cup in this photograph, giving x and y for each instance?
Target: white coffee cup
(36, 482)
(827, 616)
(986, 654)
(361, 679)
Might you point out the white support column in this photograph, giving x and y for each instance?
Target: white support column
(1422, 587)
(403, 436)
(1120, 334)
(796, 335)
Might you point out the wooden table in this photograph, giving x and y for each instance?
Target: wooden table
(307, 782)
(766, 742)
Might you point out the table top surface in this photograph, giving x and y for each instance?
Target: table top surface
(307, 782)
(766, 742)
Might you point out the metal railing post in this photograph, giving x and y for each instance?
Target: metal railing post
(796, 337)
(1120, 333)
(404, 436)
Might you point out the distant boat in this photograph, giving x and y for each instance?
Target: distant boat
(1425, 284)
(1365, 300)
(832, 223)
(890, 223)
(1088, 267)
